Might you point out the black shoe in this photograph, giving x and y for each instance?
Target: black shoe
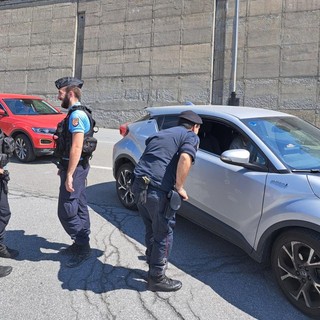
(6, 252)
(82, 254)
(72, 249)
(4, 271)
(163, 284)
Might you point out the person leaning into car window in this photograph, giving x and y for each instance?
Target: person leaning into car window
(164, 167)
(72, 204)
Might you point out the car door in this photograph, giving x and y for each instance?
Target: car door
(230, 193)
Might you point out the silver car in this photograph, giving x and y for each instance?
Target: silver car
(255, 182)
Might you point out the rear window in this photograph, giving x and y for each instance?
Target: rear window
(167, 121)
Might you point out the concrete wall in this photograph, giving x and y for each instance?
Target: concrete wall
(139, 53)
(36, 45)
(136, 53)
(145, 53)
(279, 50)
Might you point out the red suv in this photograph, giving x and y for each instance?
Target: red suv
(31, 121)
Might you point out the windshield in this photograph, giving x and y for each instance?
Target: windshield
(294, 141)
(29, 107)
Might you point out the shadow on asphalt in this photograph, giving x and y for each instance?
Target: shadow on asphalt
(93, 278)
(230, 272)
(222, 266)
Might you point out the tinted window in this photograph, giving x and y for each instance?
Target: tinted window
(217, 137)
(167, 121)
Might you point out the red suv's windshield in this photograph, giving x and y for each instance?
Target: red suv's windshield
(29, 107)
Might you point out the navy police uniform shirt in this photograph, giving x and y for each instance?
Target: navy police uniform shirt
(160, 158)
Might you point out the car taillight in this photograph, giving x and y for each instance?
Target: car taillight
(124, 129)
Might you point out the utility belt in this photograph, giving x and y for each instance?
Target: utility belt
(64, 163)
(174, 199)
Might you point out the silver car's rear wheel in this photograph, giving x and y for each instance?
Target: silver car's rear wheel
(123, 183)
(296, 264)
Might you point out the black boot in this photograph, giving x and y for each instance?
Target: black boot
(70, 250)
(6, 252)
(163, 283)
(81, 254)
(4, 271)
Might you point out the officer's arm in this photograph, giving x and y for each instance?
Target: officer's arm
(74, 158)
(183, 168)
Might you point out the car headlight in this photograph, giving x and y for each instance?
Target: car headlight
(44, 130)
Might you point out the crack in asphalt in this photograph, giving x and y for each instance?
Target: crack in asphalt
(114, 279)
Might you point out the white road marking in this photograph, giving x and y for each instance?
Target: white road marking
(101, 167)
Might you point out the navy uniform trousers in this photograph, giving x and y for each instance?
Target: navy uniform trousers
(5, 212)
(73, 210)
(159, 230)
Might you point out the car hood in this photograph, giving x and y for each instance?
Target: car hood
(44, 121)
(314, 181)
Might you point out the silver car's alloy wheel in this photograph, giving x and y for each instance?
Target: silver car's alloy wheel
(296, 264)
(123, 183)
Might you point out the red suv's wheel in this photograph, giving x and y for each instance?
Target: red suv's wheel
(24, 149)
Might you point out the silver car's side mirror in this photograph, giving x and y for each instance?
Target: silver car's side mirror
(236, 156)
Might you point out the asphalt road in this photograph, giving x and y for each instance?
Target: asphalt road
(219, 280)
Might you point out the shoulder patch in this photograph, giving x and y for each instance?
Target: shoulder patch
(75, 121)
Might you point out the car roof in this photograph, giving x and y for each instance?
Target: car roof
(17, 96)
(216, 110)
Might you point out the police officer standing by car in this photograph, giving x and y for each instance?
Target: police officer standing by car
(7, 147)
(158, 187)
(73, 167)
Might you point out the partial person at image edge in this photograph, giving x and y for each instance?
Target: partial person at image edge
(7, 146)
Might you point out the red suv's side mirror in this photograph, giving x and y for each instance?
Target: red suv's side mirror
(2, 113)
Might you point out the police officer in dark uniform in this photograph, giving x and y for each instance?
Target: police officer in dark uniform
(5, 212)
(158, 185)
(73, 171)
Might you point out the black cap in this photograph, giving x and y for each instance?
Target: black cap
(68, 81)
(191, 116)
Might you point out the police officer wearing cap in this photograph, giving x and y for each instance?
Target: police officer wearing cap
(161, 172)
(72, 206)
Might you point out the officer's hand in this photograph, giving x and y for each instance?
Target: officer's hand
(183, 194)
(68, 183)
(1, 170)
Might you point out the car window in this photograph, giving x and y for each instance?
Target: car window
(217, 137)
(208, 137)
(167, 121)
(294, 141)
(29, 107)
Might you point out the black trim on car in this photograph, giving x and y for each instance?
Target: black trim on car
(262, 254)
(120, 160)
(18, 131)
